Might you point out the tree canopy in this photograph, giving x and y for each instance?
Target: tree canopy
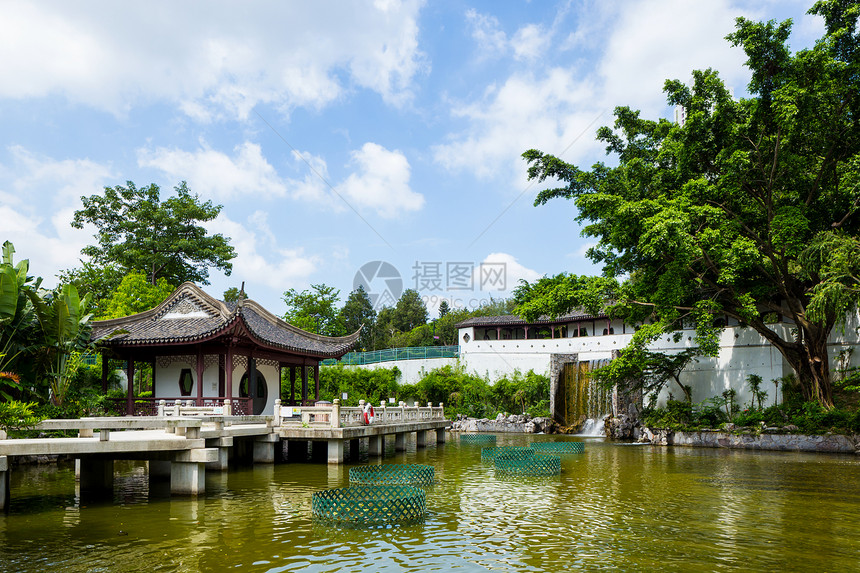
(137, 231)
(409, 311)
(358, 312)
(314, 310)
(135, 294)
(747, 210)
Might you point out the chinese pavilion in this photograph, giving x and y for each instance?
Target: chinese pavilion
(209, 351)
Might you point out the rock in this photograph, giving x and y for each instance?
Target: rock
(791, 428)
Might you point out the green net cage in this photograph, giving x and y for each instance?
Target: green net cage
(490, 454)
(407, 474)
(536, 465)
(480, 439)
(559, 447)
(370, 505)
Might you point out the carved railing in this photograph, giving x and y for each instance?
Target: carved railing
(336, 416)
(189, 407)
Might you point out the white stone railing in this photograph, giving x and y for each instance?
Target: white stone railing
(335, 416)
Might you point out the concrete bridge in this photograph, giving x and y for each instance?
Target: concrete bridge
(183, 442)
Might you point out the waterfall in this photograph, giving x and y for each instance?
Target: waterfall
(586, 402)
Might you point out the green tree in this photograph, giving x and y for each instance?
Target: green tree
(638, 368)
(409, 311)
(444, 308)
(314, 310)
(99, 282)
(137, 231)
(749, 208)
(358, 312)
(383, 331)
(135, 294)
(234, 294)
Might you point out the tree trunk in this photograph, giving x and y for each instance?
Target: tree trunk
(811, 363)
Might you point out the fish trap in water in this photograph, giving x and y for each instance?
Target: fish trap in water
(536, 465)
(407, 474)
(559, 447)
(514, 452)
(370, 505)
(479, 439)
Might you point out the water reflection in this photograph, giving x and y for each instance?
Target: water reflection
(614, 508)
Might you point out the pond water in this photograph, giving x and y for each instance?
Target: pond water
(614, 508)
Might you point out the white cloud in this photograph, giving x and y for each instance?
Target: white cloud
(381, 182)
(38, 198)
(502, 265)
(212, 58)
(213, 173)
(258, 260)
(558, 91)
(530, 42)
(551, 113)
(487, 33)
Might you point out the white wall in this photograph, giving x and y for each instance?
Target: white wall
(167, 381)
(742, 352)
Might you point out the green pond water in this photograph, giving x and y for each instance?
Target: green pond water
(614, 508)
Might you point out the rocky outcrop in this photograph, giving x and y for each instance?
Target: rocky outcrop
(625, 426)
(522, 424)
(769, 439)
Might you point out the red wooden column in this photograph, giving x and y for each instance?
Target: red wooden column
(200, 365)
(228, 373)
(129, 400)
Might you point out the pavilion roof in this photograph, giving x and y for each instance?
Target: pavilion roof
(190, 315)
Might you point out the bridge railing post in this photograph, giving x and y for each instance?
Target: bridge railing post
(335, 414)
(276, 419)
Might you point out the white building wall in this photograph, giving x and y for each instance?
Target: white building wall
(742, 352)
(167, 381)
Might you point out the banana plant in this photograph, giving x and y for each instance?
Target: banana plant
(17, 318)
(66, 328)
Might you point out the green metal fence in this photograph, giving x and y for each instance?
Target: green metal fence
(369, 505)
(536, 465)
(559, 447)
(478, 439)
(408, 474)
(391, 354)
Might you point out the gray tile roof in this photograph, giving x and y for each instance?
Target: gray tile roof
(513, 320)
(190, 315)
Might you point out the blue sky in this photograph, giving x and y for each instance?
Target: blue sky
(339, 133)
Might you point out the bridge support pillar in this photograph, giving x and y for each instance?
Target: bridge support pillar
(421, 439)
(187, 478)
(376, 446)
(4, 483)
(223, 445)
(335, 451)
(264, 452)
(400, 442)
(441, 436)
